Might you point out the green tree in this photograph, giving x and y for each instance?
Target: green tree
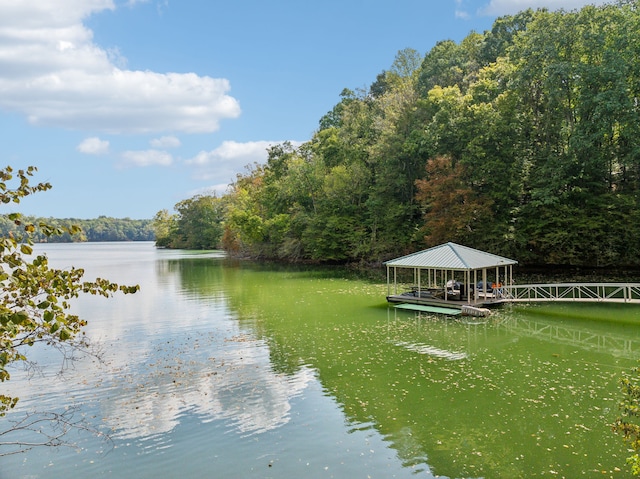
(199, 222)
(244, 222)
(576, 77)
(450, 64)
(502, 34)
(164, 225)
(35, 298)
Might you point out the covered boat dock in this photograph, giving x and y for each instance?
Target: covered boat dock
(449, 275)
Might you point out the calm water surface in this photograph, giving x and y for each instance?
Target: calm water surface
(227, 369)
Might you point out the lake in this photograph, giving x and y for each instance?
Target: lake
(231, 369)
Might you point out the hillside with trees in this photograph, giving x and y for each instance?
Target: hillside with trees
(102, 228)
(523, 140)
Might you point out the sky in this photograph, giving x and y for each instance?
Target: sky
(128, 107)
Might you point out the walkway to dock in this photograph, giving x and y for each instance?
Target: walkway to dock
(578, 292)
(528, 293)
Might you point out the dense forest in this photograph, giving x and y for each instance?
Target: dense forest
(523, 140)
(98, 229)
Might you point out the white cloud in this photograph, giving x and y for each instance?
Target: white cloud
(223, 163)
(53, 73)
(235, 152)
(230, 158)
(165, 142)
(93, 146)
(510, 7)
(460, 12)
(147, 158)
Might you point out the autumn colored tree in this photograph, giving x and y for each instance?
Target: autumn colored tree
(452, 210)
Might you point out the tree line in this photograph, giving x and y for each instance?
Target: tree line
(522, 140)
(102, 228)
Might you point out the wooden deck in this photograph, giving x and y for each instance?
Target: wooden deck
(411, 298)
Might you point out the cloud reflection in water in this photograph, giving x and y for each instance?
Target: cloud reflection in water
(165, 356)
(237, 385)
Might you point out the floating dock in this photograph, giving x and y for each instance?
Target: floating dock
(429, 309)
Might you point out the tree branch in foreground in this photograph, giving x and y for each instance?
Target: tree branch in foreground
(37, 429)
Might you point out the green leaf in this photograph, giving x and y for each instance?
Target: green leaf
(19, 318)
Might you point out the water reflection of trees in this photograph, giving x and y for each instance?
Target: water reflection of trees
(197, 276)
(582, 337)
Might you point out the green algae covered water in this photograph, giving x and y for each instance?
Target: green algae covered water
(228, 369)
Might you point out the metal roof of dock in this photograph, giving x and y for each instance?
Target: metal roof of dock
(451, 256)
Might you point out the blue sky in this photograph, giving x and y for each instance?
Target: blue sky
(129, 106)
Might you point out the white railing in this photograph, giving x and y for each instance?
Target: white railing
(583, 292)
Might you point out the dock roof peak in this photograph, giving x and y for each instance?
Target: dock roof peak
(451, 256)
